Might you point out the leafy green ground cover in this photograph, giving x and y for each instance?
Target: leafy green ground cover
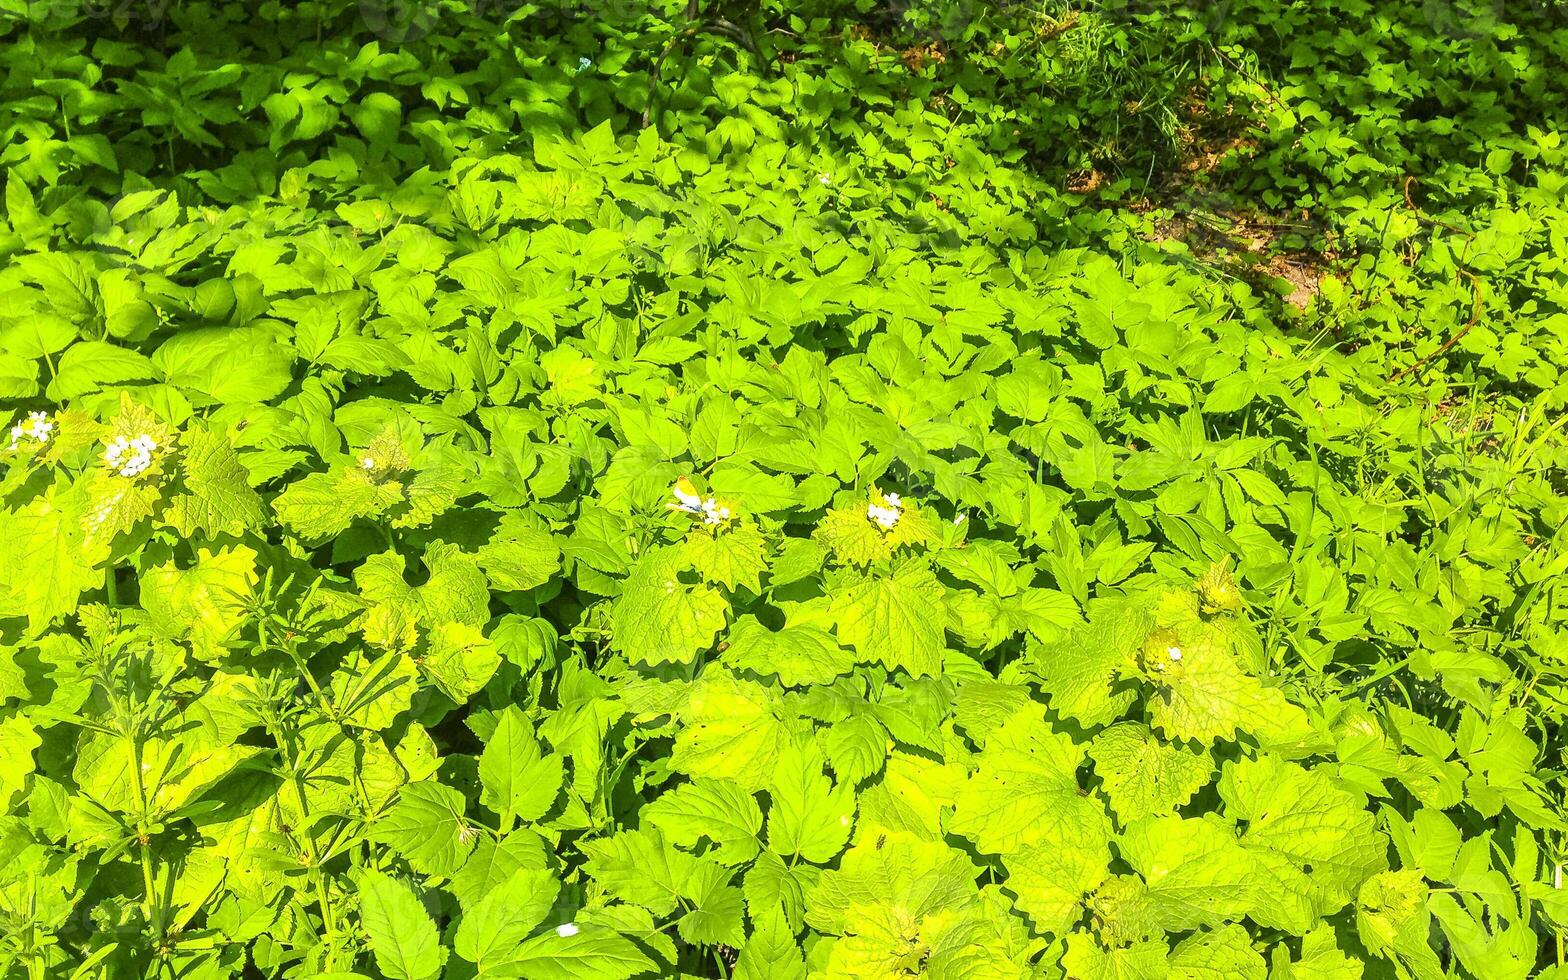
(783, 490)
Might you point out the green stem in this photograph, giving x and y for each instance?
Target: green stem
(328, 916)
(144, 846)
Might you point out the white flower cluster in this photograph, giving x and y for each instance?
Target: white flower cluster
(1174, 653)
(886, 516)
(130, 457)
(35, 428)
(824, 179)
(367, 463)
(690, 503)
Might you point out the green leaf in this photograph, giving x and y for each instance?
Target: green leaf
(771, 951)
(204, 603)
(809, 816)
(93, 365)
(49, 564)
(641, 867)
(590, 953)
(660, 619)
(718, 810)
(896, 621)
(797, 655)
(1321, 959)
(501, 921)
(454, 590)
(1144, 776)
(519, 556)
(321, 505)
(426, 826)
(217, 497)
(402, 937)
(372, 693)
(1311, 842)
(729, 732)
(732, 557)
(1225, 953)
(770, 883)
(1195, 872)
(1025, 789)
(18, 739)
(1082, 672)
(638, 866)
(1394, 922)
(228, 365)
(856, 748)
(460, 660)
(1140, 961)
(1206, 695)
(519, 780)
(718, 908)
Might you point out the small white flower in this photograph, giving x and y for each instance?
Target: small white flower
(130, 457)
(566, 930)
(824, 179)
(894, 501)
(583, 64)
(36, 428)
(366, 463)
(959, 518)
(884, 517)
(1173, 652)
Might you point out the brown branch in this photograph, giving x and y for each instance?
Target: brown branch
(1475, 317)
(717, 25)
(1476, 288)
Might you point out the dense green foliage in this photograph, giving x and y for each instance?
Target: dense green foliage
(783, 490)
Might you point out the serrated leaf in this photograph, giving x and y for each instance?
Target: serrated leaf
(1195, 872)
(809, 817)
(1082, 672)
(491, 932)
(402, 937)
(48, 562)
(519, 556)
(771, 951)
(1025, 790)
(660, 619)
(1225, 953)
(519, 780)
(729, 732)
(1310, 840)
(732, 557)
(798, 655)
(896, 621)
(427, 827)
(590, 953)
(1144, 776)
(856, 748)
(1206, 695)
(216, 495)
(718, 810)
